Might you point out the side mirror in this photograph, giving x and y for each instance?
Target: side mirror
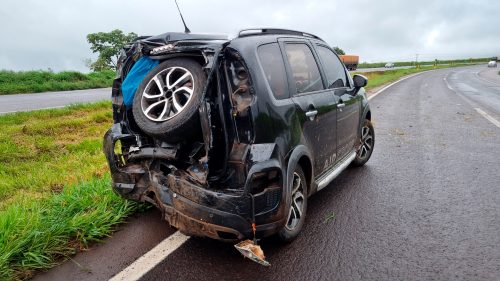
(359, 81)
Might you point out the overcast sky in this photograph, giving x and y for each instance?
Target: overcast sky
(52, 33)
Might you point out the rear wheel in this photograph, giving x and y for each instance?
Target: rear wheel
(298, 207)
(167, 101)
(366, 144)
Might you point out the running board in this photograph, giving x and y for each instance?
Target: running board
(326, 178)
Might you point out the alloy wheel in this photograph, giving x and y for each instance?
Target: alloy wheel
(297, 207)
(366, 142)
(167, 94)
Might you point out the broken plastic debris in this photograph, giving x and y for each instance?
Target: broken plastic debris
(252, 251)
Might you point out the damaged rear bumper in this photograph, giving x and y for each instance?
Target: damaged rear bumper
(195, 209)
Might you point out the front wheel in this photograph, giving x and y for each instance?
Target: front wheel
(366, 144)
(297, 213)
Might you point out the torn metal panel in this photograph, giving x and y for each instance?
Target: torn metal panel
(262, 152)
(252, 251)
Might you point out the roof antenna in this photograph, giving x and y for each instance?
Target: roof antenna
(186, 29)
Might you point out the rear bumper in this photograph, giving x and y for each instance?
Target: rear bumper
(205, 213)
(194, 209)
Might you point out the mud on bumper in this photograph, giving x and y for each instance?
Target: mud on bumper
(194, 209)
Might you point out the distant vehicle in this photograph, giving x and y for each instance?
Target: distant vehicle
(389, 65)
(492, 64)
(350, 61)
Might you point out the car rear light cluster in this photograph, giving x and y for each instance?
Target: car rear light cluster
(262, 180)
(266, 189)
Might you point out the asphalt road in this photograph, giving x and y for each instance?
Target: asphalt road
(27, 102)
(425, 207)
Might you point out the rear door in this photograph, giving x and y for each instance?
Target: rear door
(349, 105)
(315, 104)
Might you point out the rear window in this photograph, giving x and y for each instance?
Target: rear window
(304, 68)
(274, 69)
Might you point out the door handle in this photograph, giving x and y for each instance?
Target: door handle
(311, 114)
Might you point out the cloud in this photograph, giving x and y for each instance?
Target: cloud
(51, 33)
(431, 38)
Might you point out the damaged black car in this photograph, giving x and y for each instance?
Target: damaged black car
(229, 138)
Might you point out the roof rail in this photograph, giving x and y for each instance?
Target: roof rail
(265, 31)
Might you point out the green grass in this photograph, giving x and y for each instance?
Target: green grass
(41, 151)
(55, 193)
(42, 81)
(379, 78)
(412, 63)
(37, 234)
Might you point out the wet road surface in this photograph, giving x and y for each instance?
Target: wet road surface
(27, 102)
(425, 207)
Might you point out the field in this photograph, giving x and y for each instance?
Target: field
(12, 82)
(42, 81)
(379, 78)
(412, 63)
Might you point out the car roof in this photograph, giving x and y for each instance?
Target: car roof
(275, 31)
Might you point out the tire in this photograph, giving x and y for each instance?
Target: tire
(294, 225)
(171, 113)
(367, 144)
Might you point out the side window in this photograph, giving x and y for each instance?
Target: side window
(274, 68)
(335, 73)
(304, 68)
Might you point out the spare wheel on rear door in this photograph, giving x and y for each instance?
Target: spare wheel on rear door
(167, 101)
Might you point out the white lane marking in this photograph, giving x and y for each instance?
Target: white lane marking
(487, 116)
(392, 84)
(448, 84)
(485, 79)
(152, 258)
(52, 107)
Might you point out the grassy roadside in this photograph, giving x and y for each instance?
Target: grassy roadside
(379, 78)
(439, 62)
(54, 193)
(42, 81)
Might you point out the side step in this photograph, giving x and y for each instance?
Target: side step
(328, 176)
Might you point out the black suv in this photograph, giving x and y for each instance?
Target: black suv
(230, 137)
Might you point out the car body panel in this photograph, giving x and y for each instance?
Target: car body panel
(236, 171)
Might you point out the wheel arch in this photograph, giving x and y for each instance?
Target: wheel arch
(366, 114)
(301, 156)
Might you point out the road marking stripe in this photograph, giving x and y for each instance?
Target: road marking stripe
(448, 84)
(392, 84)
(152, 258)
(52, 107)
(487, 116)
(485, 79)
